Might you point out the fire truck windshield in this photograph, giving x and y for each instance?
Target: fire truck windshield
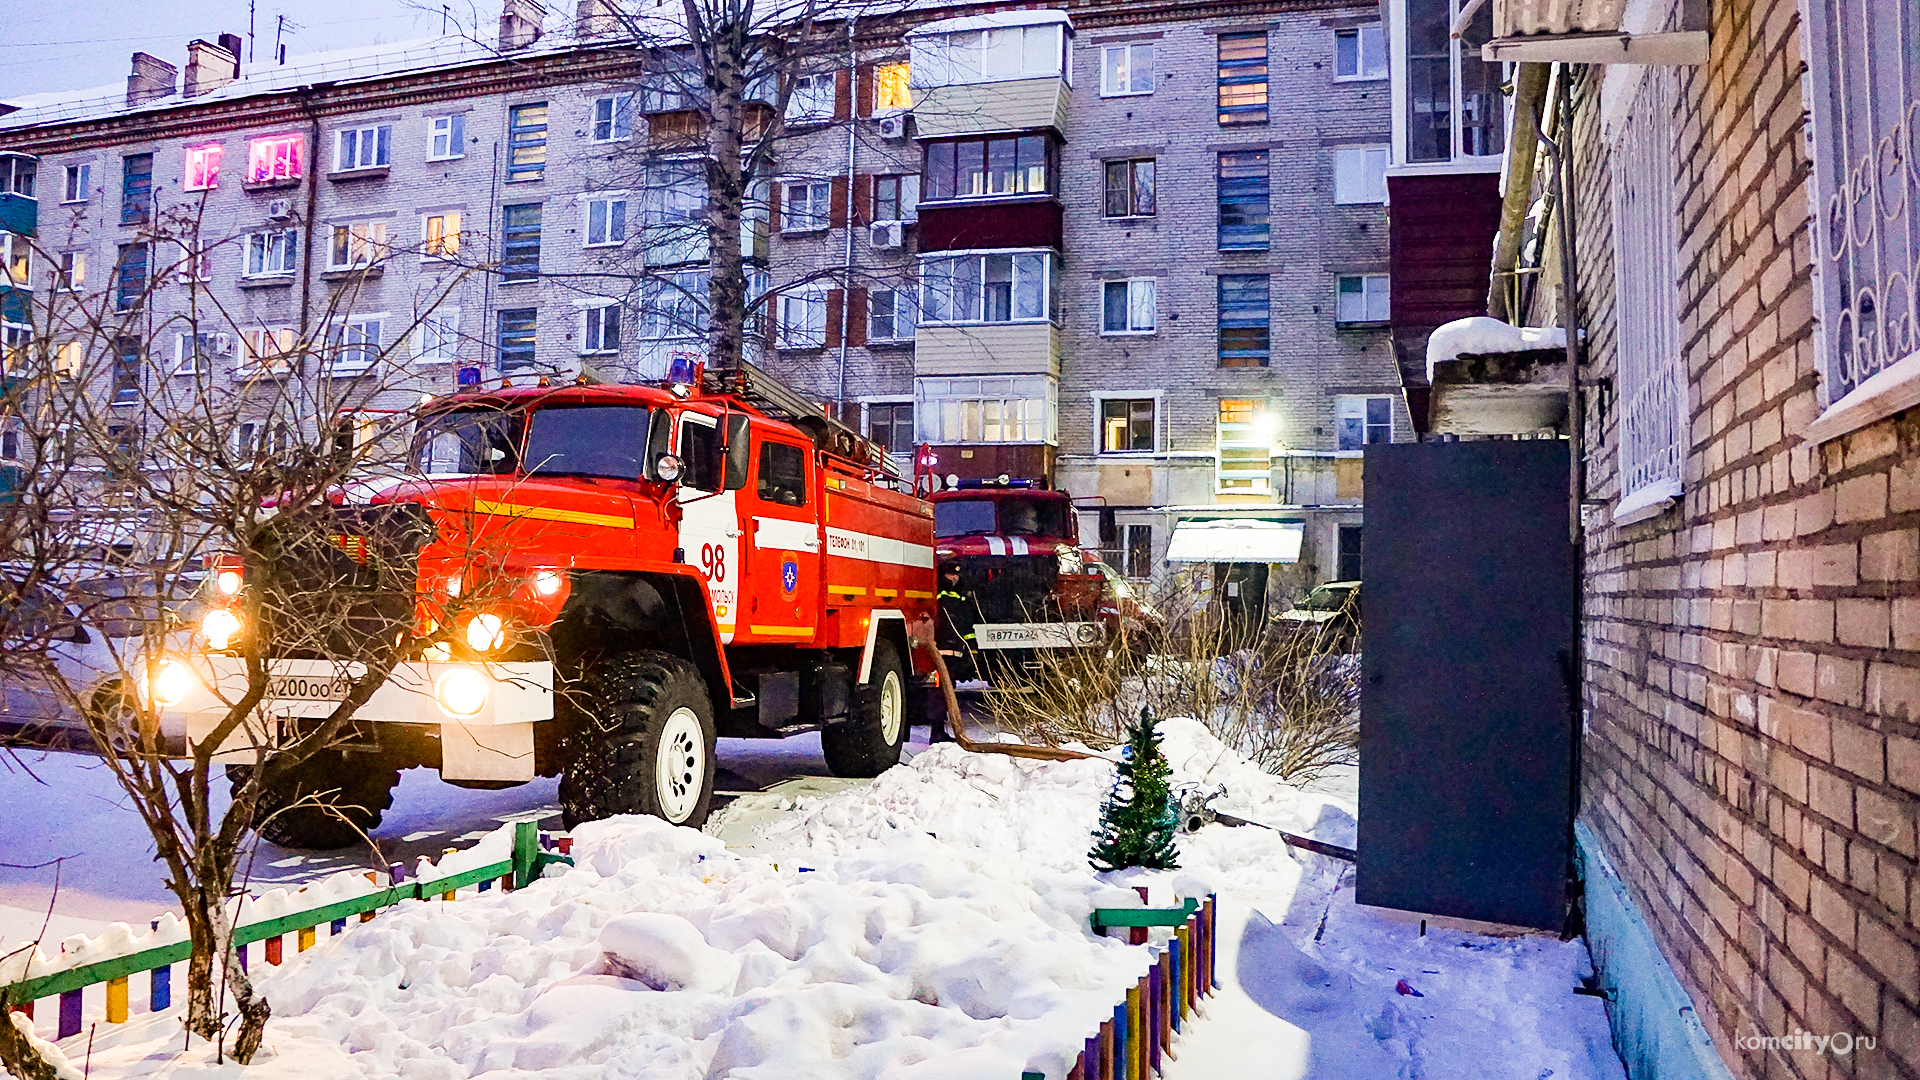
(1015, 517)
(971, 517)
(607, 441)
(464, 442)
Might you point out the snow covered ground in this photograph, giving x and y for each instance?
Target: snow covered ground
(928, 925)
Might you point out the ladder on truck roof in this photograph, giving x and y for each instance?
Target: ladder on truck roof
(752, 384)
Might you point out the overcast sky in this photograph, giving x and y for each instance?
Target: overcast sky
(79, 44)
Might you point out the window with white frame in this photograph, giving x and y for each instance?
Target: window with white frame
(1127, 425)
(362, 147)
(1019, 408)
(437, 339)
(272, 159)
(674, 306)
(890, 315)
(1359, 174)
(812, 98)
(1128, 306)
(612, 117)
(802, 319)
(806, 206)
(16, 259)
(357, 243)
(606, 224)
(1360, 52)
(1652, 378)
(71, 274)
(202, 167)
(890, 425)
(1126, 69)
(1243, 447)
(271, 253)
(1452, 103)
(79, 187)
(446, 137)
(354, 344)
(16, 343)
(192, 263)
(268, 350)
(440, 235)
(896, 198)
(1362, 298)
(67, 359)
(996, 287)
(971, 56)
(600, 327)
(194, 354)
(1360, 421)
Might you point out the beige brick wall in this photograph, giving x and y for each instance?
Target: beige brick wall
(1752, 760)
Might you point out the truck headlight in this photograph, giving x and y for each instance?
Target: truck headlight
(547, 582)
(228, 582)
(486, 632)
(220, 627)
(167, 683)
(461, 692)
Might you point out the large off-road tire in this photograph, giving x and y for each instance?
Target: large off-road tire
(869, 743)
(330, 800)
(642, 742)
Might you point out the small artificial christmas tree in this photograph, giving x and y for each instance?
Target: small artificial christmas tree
(1137, 823)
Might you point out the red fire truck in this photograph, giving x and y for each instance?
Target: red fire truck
(597, 581)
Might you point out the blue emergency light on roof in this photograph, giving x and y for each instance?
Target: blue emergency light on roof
(683, 369)
(1024, 482)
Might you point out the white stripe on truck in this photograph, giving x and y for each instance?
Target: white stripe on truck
(847, 544)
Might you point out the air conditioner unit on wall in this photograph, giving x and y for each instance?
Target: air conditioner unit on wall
(280, 208)
(887, 234)
(893, 126)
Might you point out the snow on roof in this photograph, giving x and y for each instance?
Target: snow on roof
(992, 19)
(1479, 335)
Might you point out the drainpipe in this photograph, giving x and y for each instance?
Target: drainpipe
(1530, 88)
(846, 266)
(313, 198)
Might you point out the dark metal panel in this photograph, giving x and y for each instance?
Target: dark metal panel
(961, 226)
(1466, 733)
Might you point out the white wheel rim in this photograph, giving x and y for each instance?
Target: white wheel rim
(680, 770)
(891, 709)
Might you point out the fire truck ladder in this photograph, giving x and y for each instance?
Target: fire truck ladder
(753, 385)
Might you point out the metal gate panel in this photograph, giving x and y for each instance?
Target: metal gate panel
(1466, 734)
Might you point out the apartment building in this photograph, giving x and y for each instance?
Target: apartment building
(1138, 255)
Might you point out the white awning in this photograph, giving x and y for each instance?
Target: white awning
(1236, 541)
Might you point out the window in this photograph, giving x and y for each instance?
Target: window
(126, 371)
(1245, 320)
(606, 221)
(273, 253)
(437, 339)
(802, 321)
(1243, 189)
(357, 244)
(1139, 551)
(1652, 373)
(890, 426)
(1126, 425)
(889, 315)
(516, 338)
(675, 306)
(67, 358)
(71, 276)
(1128, 307)
(1130, 188)
(1350, 567)
(1243, 448)
(613, 118)
(16, 342)
(972, 410)
(16, 175)
(275, 158)
(130, 276)
(16, 260)
(891, 88)
(977, 168)
(192, 263)
(1360, 52)
(1363, 298)
(1126, 69)
(970, 56)
(440, 235)
(995, 288)
(203, 167)
(600, 329)
(896, 198)
(136, 188)
(446, 137)
(1360, 174)
(193, 353)
(268, 350)
(1362, 421)
(1243, 78)
(520, 244)
(783, 474)
(355, 345)
(527, 142)
(812, 97)
(1437, 62)
(79, 186)
(363, 148)
(806, 207)
(123, 450)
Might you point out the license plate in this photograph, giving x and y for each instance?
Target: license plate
(1036, 635)
(310, 687)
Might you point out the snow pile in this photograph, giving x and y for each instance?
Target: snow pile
(1478, 335)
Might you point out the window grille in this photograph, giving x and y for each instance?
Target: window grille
(1652, 385)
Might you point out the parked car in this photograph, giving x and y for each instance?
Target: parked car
(1127, 615)
(1331, 613)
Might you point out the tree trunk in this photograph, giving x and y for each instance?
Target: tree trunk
(18, 1055)
(726, 200)
(203, 1002)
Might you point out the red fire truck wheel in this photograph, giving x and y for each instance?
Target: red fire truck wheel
(868, 743)
(642, 744)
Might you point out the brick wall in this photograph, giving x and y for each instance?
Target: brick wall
(1752, 760)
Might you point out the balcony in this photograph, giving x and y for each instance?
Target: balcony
(987, 107)
(987, 349)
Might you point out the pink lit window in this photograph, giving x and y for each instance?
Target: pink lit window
(203, 167)
(275, 157)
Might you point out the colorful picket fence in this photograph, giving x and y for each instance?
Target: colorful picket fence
(1133, 1045)
(528, 859)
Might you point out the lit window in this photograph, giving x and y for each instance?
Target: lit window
(812, 97)
(275, 158)
(802, 320)
(606, 221)
(1243, 78)
(269, 351)
(1130, 188)
(891, 87)
(355, 345)
(363, 148)
(446, 137)
(437, 340)
(527, 142)
(1243, 447)
(890, 315)
(79, 186)
(67, 358)
(16, 260)
(996, 288)
(1020, 408)
(1126, 425)
(612, 118)
(16, 341)
(601, 330)
(1364, 298)
(272, 253)
(1126, 69)
(808, 207)
(1360, 174)
(440, 235)
(356, 244)
(72, 272)
(1360, 53)
(1128, 306)
(203, 167)
(192, 262)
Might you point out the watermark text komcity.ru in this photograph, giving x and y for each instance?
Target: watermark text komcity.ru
(1842, 1043)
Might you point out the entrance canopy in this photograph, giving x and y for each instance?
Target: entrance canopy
(1244, 541)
